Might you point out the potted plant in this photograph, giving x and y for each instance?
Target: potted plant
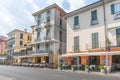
(86, 68)
(108, 42)
(101, 69)
(59, 66)
(73, 67)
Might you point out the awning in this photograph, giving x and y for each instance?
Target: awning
(2, 58)
(90, 54)
(38, 54)
(32, 55)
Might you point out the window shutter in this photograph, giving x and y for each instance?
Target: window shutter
(94, 15)
(112, 9)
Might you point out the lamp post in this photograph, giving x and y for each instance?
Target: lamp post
(105, 27)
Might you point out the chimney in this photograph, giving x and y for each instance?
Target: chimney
(25, 30)
(33, 29)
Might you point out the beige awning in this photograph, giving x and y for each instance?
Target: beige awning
(90, 54)
(32, 55)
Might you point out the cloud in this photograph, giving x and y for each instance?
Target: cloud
(59, 2)
(75, 4)
(16, 15)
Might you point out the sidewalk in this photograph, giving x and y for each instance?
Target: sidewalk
(115, 74)
(5, 78)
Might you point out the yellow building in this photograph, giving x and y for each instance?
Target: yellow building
(16, 44)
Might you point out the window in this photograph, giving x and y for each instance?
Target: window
(21, 42)
(95, 42)
(48, 19)
(38, 34)
(60, 22)
(76, 22)
(76, 43)
(115, 8)
(38, 23)
(21, 36)
(48, 12)
(29, 38)
(60, 36)
(112, 9)
(118, 36)
(94, 17)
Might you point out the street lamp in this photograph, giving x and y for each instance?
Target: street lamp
(105, 27)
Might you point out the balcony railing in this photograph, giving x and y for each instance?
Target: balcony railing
(47, 38)
(47, 24)
(38, 27)
(43, 51)
(94, 22)
(37, 40)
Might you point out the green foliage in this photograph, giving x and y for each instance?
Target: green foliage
(73, 66)
(86, 66)
(108, 42)
(25, 44)
(59, 65)
(101, 67)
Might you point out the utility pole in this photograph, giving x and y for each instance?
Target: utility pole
(105, 27)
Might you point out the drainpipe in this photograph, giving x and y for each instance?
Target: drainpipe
(105, 27)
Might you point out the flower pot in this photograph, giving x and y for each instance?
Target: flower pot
(102, 70)
(108, 69)
(59, 68)
(86, 69)
(73, 69)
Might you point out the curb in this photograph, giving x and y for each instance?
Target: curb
(92, 73)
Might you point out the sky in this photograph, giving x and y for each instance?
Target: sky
(17, 14)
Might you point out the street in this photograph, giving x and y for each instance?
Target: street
(30, 73)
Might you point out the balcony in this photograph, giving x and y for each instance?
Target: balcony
(47, 24)
(9, 38)
(117, 15)
(94, 22)
(37, 40)
(38, 27)
(43, 51)
(9, 46)
(47, 38)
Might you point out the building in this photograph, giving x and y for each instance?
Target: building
(2, 49)
(87, 42)
(49, 35)
(16, 44)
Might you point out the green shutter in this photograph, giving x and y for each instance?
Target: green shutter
(112, 9)
(76, 43)
(94, 15)
(95, 42)
(76, 20)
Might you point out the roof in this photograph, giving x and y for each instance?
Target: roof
(17, 30)
(88, 7)
(47, 8)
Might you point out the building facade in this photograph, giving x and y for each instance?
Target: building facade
(86, 30)
(16, 44)
(49, 35)
(2, 49)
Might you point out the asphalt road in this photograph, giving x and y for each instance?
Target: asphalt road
(27, 73)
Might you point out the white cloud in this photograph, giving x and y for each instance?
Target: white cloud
(16, 14)
(75, 4)
(59, 2)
